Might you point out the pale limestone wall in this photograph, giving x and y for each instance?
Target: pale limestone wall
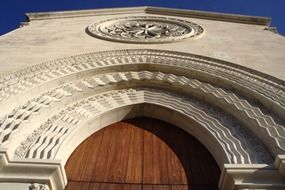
(43, 40)
(15, 186)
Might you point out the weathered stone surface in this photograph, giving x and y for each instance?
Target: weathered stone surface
(220, 79)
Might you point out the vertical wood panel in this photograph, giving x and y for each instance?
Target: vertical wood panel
(135, 157)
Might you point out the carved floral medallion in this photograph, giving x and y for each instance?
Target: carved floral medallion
(144, 29)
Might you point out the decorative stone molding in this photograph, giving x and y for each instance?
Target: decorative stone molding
(269, 91)
(153, 10)
(254, 176)
(38, 186)
(144, 29)
(271, 29)
(21, 150)
(254, 116)
(41, 175)
(280, 164)
(68, 121)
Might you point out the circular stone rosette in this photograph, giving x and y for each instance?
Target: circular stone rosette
(144, 29)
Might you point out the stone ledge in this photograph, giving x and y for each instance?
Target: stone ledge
(83, 13)
(210, 15)
(50, 173)
(251, 176)
(280, 163)
(256, 20)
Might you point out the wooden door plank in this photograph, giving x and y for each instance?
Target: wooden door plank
(77, 185)
(93, 150)
(180, 187)
(94, 186)
(114, 153)
(135, 158)
(103, 156)
(148, 165)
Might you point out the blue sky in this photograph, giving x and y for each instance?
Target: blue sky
(12, 12)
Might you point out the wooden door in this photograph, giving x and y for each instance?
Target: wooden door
(141, 154)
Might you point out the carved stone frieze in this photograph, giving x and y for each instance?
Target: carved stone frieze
(24, 147)
(251, 144)
(144, 29)
(101, 105)
(90, 83)
(15, 83)
(22, 150)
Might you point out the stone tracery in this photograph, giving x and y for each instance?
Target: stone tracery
(145, 29)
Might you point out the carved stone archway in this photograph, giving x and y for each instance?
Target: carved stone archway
(237, 112)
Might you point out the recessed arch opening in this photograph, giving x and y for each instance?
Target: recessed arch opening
(163, 113)
(141, 153)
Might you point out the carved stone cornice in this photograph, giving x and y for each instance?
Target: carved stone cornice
(152, 10)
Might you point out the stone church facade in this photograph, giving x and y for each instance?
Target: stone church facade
(66, 75)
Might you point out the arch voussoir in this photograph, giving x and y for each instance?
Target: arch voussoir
(218, 97)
